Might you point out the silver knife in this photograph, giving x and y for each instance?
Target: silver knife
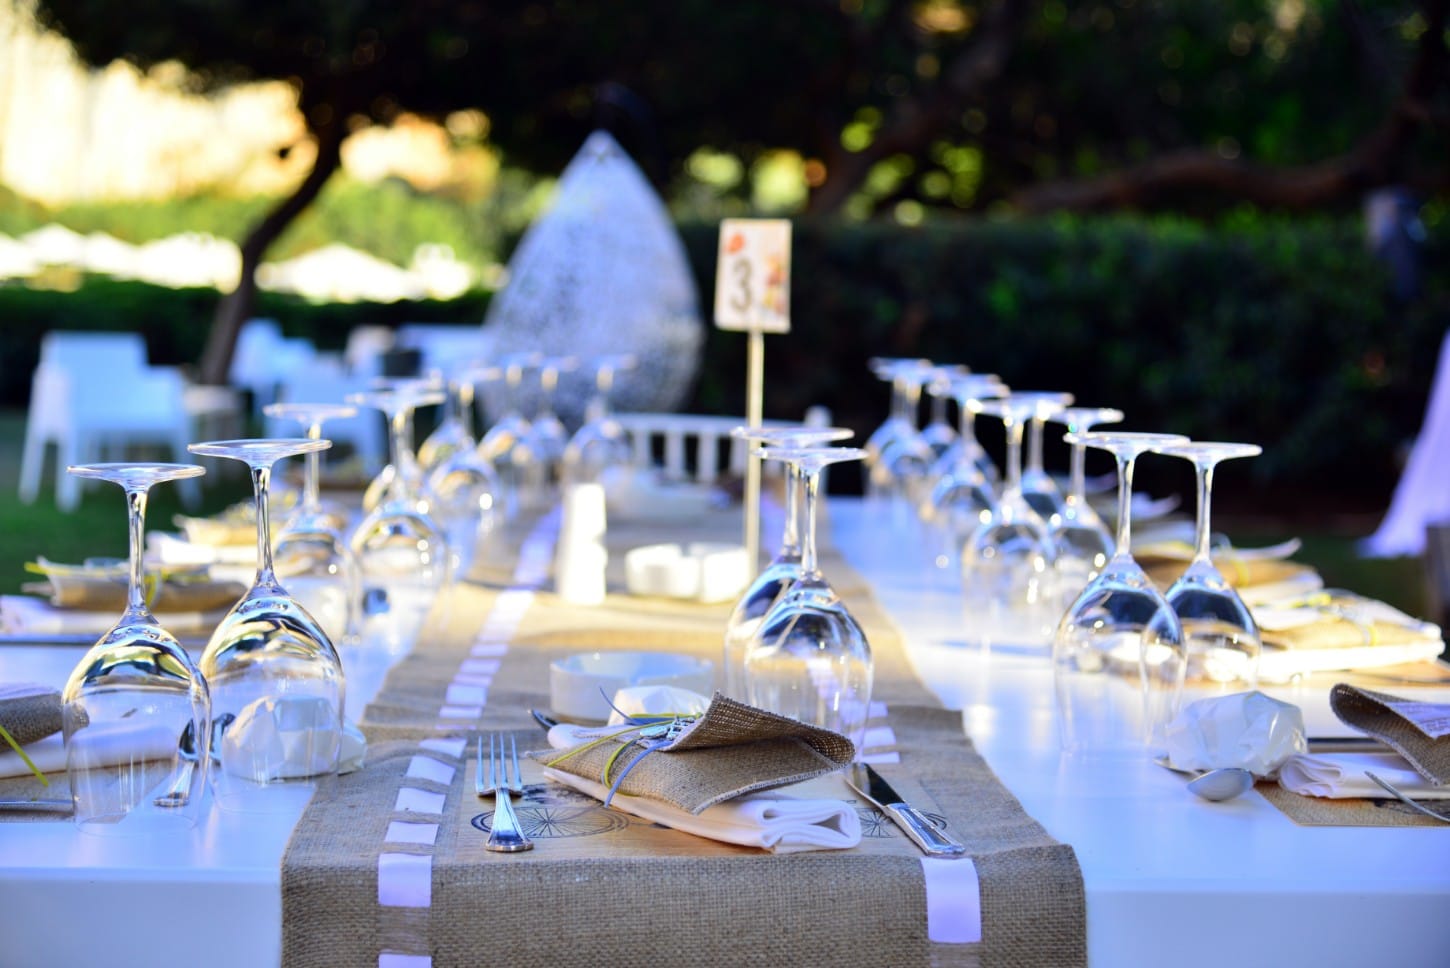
(870, 784)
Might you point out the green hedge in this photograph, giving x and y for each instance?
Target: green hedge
(1280, 333)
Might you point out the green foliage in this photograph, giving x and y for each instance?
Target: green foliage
(1275, 332)
(1270, 331)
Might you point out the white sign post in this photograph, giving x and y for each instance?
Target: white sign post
(752, 294)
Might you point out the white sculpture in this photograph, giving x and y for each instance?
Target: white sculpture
(602, 271)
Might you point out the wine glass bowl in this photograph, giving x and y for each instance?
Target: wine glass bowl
(1223, 640)
(401, 549)
(1009, 562)
(600, 444)
(1119, 655)
(809, 658)
(1084, 543)
(134, 705)
(311, 553)
(772, 580)
(275, 675)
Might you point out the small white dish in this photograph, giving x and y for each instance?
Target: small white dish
(701, 571)
(581, 685)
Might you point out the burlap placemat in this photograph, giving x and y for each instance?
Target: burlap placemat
(1327, 812)
(578, 898)
(30, 788)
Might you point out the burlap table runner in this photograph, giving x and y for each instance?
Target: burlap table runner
(605, 888)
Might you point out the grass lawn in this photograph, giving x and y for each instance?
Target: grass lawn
(95, 529)
(98, 528)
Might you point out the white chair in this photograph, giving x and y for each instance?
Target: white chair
(94, 396)
(366, 347)
(692, 444)
(264, 359)
(444, 347)
(327, 382)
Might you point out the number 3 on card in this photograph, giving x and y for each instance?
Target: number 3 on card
(752, 279)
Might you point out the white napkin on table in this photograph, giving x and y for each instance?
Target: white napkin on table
(1341, 775)
(116, 744)
(771, 821)
(27, 615)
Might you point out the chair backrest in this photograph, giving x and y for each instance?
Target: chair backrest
(444, 346)
(84, 352)
(691, 445)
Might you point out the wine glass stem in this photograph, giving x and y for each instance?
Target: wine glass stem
(811, 484)
(401, 425)
(1205, 496)
(938, 409)
(1014, 453)
(310, 495)
(1079, 473)
(790, 542)
(1034, 446)
(136, 531)
(464, 402)
(1125, 502)
(261, 478)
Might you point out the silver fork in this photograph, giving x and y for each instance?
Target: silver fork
(1406, 800)
(498, 782)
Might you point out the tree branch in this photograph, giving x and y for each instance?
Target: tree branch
(915, 122)
(1376, 161)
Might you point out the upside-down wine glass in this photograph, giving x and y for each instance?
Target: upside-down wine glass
(1118, 656)
(465, 492)
(1038, 487)
(1084, 543)
(311, 553)
(939, 434)
(547, 437)
(506, 444)
(898, 459)
(1009, 562)
(962, 496)
(136, 712)
(785, 567)
(455, 431)
(402, 552)
(411, 471)
(1223, 639)
(809, 658)
(600, 444)
(276, 680)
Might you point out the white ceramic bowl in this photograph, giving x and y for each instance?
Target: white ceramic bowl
(702, 571)
(581, 684)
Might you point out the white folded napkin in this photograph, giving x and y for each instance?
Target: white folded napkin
(115, 744)
(27, 615)
(1341, 775)
(1248, 730)
(276, 739)
(771, 821)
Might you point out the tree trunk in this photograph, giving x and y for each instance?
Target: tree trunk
(235, 307)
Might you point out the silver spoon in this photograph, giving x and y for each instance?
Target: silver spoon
(1224, 783)
(1221, 784)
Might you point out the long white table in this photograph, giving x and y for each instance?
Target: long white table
(1169, 878)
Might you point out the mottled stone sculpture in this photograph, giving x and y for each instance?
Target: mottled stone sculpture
(602, 271)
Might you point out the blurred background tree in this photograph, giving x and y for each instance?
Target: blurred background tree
(899, 108)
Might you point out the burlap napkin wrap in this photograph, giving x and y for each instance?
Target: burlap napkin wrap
(29, 713)
(1374, 713)
(1238, 572)
(730, 750)
(105, 595)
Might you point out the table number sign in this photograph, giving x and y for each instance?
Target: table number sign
(752, 281)
(752, 294)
